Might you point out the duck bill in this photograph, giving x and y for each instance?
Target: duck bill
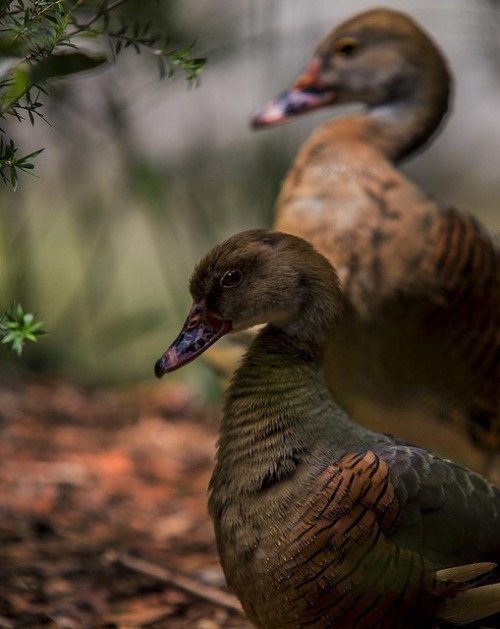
(306, 94)
(199, 332)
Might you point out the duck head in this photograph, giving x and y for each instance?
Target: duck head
(377, 57)
(256, 277)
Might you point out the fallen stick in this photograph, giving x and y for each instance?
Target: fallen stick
(186, 584)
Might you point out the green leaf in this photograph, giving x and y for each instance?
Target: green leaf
(25, 75)
(65, 64)
(23, 162)
(14, 179)
(18, 85)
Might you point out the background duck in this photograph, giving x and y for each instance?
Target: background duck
(421, 332)
(319, 521)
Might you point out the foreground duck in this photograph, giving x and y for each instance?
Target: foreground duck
(421, 331)
(319, 521)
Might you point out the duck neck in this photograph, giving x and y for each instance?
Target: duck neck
(402, 126)
(279, 420)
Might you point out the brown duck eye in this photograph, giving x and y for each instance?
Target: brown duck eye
(345, 46)
(232, 278)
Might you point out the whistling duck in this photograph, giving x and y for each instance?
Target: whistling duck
(421, 331)
(319, 521)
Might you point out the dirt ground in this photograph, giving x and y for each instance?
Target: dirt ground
(103, 518)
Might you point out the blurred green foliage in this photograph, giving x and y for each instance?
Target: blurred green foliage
(103, 243)
(46, 40)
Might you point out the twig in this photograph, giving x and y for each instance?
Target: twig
(201, 590)
(104, 9)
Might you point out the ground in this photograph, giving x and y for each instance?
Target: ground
(103, 518)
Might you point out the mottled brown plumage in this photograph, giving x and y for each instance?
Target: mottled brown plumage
(421, 333)
(320, 522)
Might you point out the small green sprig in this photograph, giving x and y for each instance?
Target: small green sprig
(17, 327)
(169, 59)
(10, 165)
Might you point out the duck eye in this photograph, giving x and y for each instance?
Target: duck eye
(345, 46)
(232, 278)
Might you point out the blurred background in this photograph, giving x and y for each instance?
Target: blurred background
(140, 177)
